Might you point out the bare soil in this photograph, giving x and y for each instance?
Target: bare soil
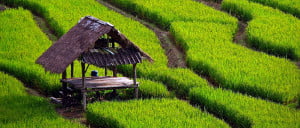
(175, 54)
(215, 5)
(45, 28)
(240, 36)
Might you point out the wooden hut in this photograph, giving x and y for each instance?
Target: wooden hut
(92, 41)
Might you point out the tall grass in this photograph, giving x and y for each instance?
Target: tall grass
(153, 113)
(211, 51)
(269, 30)
(288, 6)
(20, 110)
(245, 111)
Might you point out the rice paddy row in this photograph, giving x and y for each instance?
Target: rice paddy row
(231, 65)
(269, 30)
(20, 110)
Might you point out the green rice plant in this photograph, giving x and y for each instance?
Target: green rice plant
(269, 29)
(164, 12)
(236, 67)
(153, 113)
(289, 6)
(20, 110)
(210, 50)
(245, 111)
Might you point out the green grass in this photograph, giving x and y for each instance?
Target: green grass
(164, 12)
(236, 67)
(20, 110)
(269, 30)
(245, 111)
(289, 6)
(210, 49)
(150, 113)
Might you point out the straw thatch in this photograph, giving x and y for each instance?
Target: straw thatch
(80, 39)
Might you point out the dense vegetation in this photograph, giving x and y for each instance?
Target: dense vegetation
(19, 110)
(231, 65)
(236, 67)
(210, 49)
(269, 29)
(156, 113)
(289, 6)
(245, 111)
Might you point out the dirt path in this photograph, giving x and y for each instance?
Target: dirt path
(175, 54)
(45, 27)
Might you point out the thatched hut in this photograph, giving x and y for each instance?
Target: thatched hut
(92, 41)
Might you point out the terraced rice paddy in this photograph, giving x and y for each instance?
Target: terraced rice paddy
(252, 87)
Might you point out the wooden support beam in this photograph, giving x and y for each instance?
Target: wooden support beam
(72, 69)
(83, 89)
(115, 71)
(136, 89)
(114, 93)
(64, 76)
(105, 71)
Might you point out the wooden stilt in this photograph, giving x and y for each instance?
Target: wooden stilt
(136, 89)
(83, 90)
(114, 93)
(115, 71)
(64, 76)
(72, 69)
(105, 71)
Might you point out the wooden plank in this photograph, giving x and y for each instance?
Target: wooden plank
(101, 82)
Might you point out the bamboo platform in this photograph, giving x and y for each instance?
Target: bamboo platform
(100, 83)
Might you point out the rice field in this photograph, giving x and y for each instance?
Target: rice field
(251, 88)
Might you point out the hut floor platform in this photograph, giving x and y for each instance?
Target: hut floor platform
(101, 83)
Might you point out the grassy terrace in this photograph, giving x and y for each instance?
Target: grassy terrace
(231, 65)
(150, 113)
(245, 111)
(289, 6)
(20, 110)
(61, 15)
(225, 103)
(235, 67)
(269, 30)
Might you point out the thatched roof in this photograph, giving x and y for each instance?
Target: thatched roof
(80, 39)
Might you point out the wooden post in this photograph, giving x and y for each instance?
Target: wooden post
(105, 71)
(115, 71)
(72, 69)
(64, 76)
(83, 89)
(114, 75)
(136, 89)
